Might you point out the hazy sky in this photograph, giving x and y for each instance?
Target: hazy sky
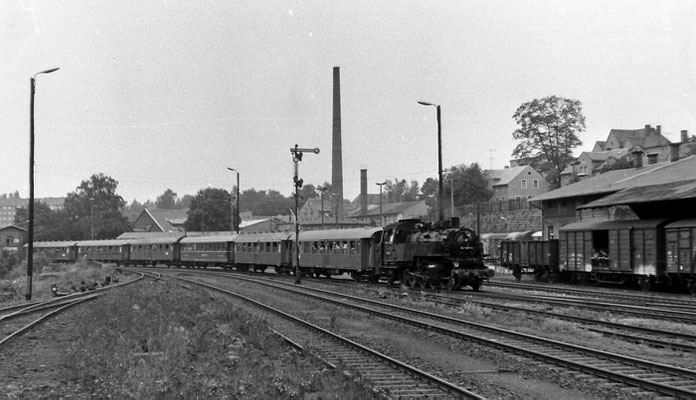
(167, 94)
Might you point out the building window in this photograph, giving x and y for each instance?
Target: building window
(535, 183)
(524, 183)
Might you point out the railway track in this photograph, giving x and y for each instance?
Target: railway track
(388, 375)
(18, 319)
(636, 376)
(629, 333)
(647, 300)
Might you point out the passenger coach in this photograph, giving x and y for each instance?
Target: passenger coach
(333, 252)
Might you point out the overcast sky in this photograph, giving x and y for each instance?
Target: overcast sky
(167, 94)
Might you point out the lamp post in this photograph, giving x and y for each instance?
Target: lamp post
(451, 197)
(91, 218)
(296, 158)
(322, 190)
(380, 184)
(439, 157)
(235, 215)
(30, 244)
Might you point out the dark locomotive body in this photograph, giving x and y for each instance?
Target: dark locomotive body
(419, 254)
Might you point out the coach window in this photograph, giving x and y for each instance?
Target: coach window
(353, 248)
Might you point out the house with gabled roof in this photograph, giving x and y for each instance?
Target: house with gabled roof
(12, 238)
(521, 182)
(618, 149)
(161, 220)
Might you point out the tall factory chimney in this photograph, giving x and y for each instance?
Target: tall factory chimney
(363, 191)
(336, 150)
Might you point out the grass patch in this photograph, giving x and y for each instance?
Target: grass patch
(157, 340)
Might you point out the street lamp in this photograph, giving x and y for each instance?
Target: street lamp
(296, 158)
(322, 190)
(91, 218)
(380, 184)
(235, 216)
(439, 157)
(451, 197)
(30, 246)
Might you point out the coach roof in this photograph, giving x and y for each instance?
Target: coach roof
(339, 234)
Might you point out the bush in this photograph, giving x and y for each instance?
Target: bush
(8, 262)
(159, 341)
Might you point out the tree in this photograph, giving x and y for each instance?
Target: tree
(210, 211)
(48, 224)
(167, 200)
(468, 184)
(95, 207)
(429, 190)
(548, 129)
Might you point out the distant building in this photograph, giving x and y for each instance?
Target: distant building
(620, 149)
(12, 239)
(161, 220)
(9, 205)
(516, 183)
(391, 212)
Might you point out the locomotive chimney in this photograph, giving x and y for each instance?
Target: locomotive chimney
(363, 191)
(336, 150)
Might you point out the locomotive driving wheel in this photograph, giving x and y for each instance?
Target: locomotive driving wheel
(453, 283)
(475, 283)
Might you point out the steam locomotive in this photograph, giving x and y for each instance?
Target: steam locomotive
(410, 251)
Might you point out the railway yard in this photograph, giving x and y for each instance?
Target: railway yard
(523, 340)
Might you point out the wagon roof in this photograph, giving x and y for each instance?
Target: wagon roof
(606, 225)
(105, 242)
(210, 239)
(56, 243)
(154, 240)
(339, 234)
(683, 223)
(262, 237)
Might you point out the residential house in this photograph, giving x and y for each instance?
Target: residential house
(521, 182)
(12, 239)
(157, 220)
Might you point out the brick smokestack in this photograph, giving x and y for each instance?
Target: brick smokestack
(363, 191)
(336, 149)
(684, 135)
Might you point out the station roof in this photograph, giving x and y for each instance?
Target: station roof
(646, 194)
(615, 181)
(615, 224)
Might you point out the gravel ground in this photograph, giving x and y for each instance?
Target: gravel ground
(31, 368)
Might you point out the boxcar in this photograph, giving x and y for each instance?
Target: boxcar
(681, 253)
(207, 251)
(614, 251)
(537, 257)
(58, 251)
(262, 250)
(337, 251)
(154, 250)
(110, 251)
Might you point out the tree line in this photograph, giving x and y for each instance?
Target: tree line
(548, 133)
